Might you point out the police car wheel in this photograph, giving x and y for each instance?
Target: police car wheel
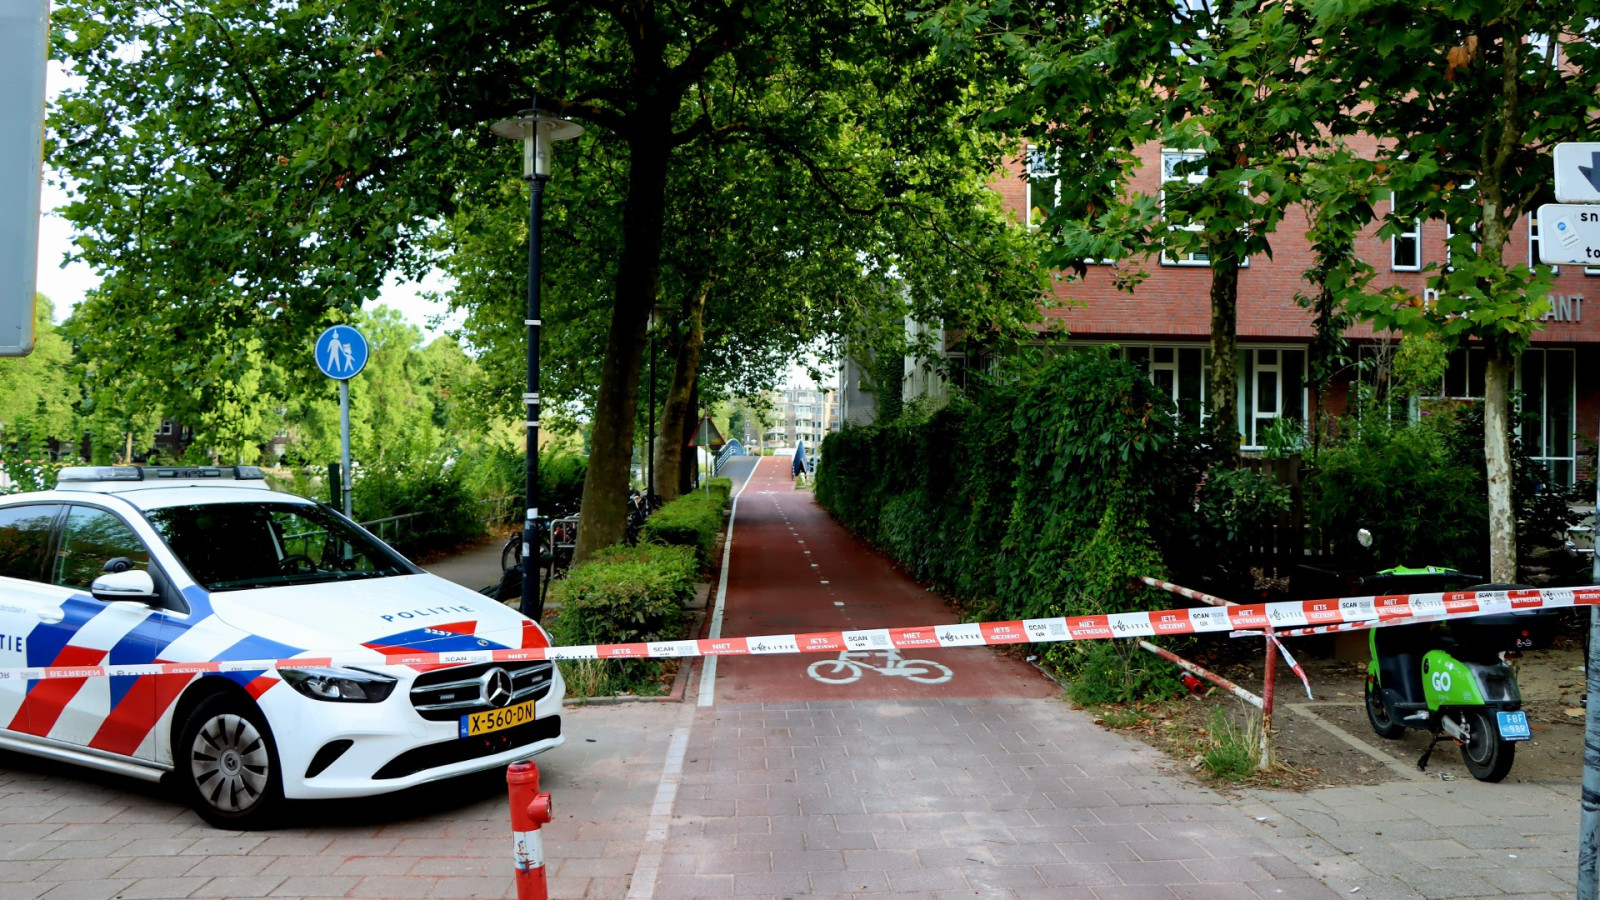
(227, 763)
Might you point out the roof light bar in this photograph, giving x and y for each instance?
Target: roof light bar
(80, 474)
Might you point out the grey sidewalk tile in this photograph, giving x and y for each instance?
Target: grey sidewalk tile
(161, 888)
(848, 882)
(1443, 883)
(394, 887)
(156, 866)
(1077, 874)
(86, 890)
(778, 884)
(1054, 893)
(1134, 892)
(928, 879)
(1161, 872)
(226, 866)
(880, 860)
(1002, 878)
(1297, 889)
(1089, 852)
(472, 888)
(243, 885)
(315, 886)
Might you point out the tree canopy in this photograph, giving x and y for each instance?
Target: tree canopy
(250, 173)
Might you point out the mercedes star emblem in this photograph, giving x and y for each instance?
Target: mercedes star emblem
(495, 686)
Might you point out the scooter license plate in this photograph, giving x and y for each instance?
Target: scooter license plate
(1514, 725)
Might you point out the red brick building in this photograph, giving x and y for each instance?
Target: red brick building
(1164, 324)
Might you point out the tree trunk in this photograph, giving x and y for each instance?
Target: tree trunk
(1497, 453)
(677, 416)
(1224, 424)
(605, 488)
(689, 460)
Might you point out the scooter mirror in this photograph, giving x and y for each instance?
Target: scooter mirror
(1364, 537)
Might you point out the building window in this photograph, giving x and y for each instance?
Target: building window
(1042, 186)
(1178, 167)
(1548, 385)
(1272, 386)
(1405, 249)
(166, 427)
(1533, 244)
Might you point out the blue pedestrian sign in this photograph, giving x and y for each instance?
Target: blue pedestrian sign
(341, 352)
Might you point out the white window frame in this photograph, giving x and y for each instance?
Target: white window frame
(1169, 160)
(1252, 420)
(1415, 235)
(1539, 446)
(1036, 166)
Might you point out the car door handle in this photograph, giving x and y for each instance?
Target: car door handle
(51, 615)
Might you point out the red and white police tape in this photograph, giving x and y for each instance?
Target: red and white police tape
(1302, 617)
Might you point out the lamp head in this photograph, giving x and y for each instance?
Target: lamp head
(538, 130)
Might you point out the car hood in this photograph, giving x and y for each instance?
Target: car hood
(406, 612)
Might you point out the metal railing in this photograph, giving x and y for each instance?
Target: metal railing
(729, 451)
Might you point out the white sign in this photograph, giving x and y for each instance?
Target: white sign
(1569, 235)
(24, 32)
(1577, 173)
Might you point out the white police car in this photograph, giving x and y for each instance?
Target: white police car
(140, 566)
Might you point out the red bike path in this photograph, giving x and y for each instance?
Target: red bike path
(793, 569)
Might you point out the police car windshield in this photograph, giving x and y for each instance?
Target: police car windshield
(235, 546)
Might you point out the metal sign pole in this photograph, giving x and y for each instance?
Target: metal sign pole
(1589, 819)
(344, 442)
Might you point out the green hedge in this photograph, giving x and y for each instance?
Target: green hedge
(623, 595)
(1045, 492)
(693, 520)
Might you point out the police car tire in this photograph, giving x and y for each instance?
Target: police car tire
(226, 763)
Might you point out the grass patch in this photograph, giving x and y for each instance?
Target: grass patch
(1233, 750)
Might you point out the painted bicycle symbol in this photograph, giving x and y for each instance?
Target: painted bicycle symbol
(850, 665)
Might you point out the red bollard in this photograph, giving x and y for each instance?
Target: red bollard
(529, 811)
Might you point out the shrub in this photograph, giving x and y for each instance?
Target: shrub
(624, 595)
(444, 514)
(1042, 492)
(1115, 672)
(693, 521)
(1423, 504)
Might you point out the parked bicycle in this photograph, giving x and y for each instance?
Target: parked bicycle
(556, 539)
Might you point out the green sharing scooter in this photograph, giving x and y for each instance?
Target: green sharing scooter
(1451, 679)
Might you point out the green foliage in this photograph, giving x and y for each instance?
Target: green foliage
(446, 514)
(1239, 504)
(41, 387)
(693, 520)
(1116, 673)
(25, 459)
(1283, 438)
(1423, 503)
(1044, 493)
(624, 595)
(1232, 751)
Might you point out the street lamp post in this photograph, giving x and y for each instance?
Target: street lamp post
(538, 131)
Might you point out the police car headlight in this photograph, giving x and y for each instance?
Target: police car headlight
(340, 685)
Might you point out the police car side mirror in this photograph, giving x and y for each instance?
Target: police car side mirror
(133, 584)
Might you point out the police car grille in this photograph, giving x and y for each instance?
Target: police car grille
(448, 694)
(432, 756)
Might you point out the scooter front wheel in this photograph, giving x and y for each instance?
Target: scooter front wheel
(1488, 756)
(1378, 714)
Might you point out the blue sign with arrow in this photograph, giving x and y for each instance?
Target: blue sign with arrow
(341, 352)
